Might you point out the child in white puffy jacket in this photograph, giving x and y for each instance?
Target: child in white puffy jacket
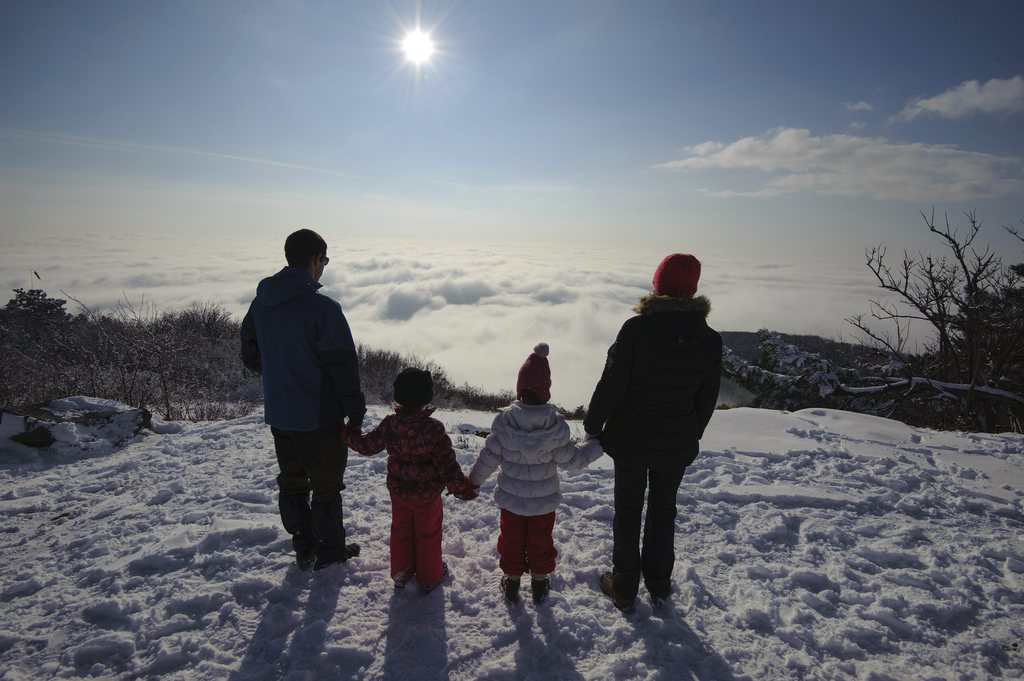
(529, 441)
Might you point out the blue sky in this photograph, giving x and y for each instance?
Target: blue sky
(524, 183)
(804, 126)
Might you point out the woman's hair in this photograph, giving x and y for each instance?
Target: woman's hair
(302, 245)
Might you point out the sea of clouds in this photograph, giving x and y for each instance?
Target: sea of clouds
(475, 308)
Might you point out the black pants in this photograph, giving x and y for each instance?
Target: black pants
(312, 461)
(657, 557)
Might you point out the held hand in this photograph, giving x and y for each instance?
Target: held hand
(592, 449)
(468, 495)
(466, 492)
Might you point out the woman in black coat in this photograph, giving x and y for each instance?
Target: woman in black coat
(656, 395)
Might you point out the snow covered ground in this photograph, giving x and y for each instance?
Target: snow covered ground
(811, 545)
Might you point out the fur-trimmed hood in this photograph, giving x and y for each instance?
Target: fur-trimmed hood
(654, 303)
(660, 384)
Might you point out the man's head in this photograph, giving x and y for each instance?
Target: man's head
(306, 250)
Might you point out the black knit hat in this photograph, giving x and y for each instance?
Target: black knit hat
(413, 388)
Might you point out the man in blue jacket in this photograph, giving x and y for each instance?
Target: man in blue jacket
(300, 342)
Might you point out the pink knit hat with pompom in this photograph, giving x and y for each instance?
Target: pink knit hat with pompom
(535, 374)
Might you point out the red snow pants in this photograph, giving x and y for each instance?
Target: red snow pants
(416, 539)
(525, 544)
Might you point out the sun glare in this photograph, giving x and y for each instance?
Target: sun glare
(417, 46)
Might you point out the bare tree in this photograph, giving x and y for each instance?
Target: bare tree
(972, 303)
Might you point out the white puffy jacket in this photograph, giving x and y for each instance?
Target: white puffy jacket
(529, 443)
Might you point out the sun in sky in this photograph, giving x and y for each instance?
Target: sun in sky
(417, 46)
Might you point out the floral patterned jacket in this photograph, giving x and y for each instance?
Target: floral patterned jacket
(421, 460)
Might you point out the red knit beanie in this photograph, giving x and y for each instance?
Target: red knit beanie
(677, 275)
(535, 374)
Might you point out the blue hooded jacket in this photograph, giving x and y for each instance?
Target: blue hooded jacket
(300, 342)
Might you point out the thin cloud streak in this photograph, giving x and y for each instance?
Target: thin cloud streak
(855, 166)
(56, 138)
(860, 106)
(552, 189)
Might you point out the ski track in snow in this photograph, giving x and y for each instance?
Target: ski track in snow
(813, 545)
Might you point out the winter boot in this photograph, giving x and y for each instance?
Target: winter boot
(403, 578)
(445, 574)
(540, 588)
(608, 587)
(298, 522)
(329, 555)
(510, 588)
(304, 544)
(329, 528)
(658, 600)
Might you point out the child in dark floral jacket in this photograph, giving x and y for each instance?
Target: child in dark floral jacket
(421, 463)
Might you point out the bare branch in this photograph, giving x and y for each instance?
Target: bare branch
(1018, 233)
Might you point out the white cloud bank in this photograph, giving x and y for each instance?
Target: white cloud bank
(855, 166)
(994, 97)
(475, 309)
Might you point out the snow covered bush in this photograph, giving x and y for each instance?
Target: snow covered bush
(788, 377)
(181, 365)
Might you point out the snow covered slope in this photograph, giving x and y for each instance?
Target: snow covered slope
(818, 544)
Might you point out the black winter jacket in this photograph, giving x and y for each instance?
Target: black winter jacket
(660, 384)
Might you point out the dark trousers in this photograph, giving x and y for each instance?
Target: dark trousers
(525, 544)
(656, 558)
(311, 462)
(416, 539)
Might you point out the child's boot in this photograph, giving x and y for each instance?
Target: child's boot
(540, 585)
(445, 574)
(510, 588)
(402, 578)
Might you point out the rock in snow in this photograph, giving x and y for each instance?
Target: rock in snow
(819, 544)
(72, 426)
